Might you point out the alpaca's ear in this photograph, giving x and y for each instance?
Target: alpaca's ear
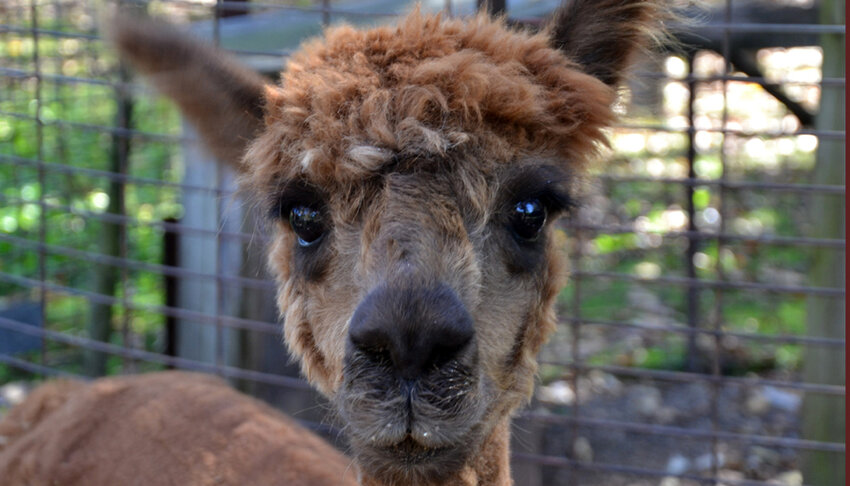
(602, 35)
(221, 98)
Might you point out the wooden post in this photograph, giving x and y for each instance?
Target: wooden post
(823, 415)
(494, 7)
(113, 234)
(170, 249)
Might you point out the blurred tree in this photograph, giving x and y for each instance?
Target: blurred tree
(742, 45)
(823, 418)
(231, 9)
(112, 240)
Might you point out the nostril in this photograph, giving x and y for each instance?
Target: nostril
(450, 341)
(374, 344)
(366, 339)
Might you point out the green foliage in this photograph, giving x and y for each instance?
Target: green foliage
(76, 135)
(10, 373)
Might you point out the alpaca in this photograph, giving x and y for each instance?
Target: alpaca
(161, 428)
(412, 175)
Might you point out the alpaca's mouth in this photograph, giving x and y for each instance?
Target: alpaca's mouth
(424, 428)
(411, 462)
(412, 453)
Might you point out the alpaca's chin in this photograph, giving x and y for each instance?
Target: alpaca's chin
(409, 462)
(422, 452)
(421, 435)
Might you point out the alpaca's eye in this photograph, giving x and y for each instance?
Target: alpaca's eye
(527, 219)
(307, 224)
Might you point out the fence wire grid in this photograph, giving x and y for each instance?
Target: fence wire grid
(701, 338)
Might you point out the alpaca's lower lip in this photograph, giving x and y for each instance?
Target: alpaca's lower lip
(410, 452)
(409, 462)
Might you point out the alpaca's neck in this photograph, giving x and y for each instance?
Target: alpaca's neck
(492, 466)
(489, 467)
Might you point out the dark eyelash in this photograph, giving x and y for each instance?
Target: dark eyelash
(555, 199)
(547, 184)
(294, 193)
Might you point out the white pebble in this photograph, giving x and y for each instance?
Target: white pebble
(677, 464)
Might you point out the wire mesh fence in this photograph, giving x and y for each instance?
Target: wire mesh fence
(702, 332)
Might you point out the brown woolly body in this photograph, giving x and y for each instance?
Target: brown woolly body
(169, 428)
(413, 173)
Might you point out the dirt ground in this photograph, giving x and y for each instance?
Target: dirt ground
(756, 410)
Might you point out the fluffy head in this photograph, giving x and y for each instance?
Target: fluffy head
(472, 98)
(352, 101)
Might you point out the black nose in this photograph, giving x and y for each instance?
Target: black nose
(414, 330)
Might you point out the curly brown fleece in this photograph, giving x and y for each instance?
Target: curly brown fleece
(350, 100)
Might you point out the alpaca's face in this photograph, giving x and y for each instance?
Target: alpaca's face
(414, 176)
(418, 303)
